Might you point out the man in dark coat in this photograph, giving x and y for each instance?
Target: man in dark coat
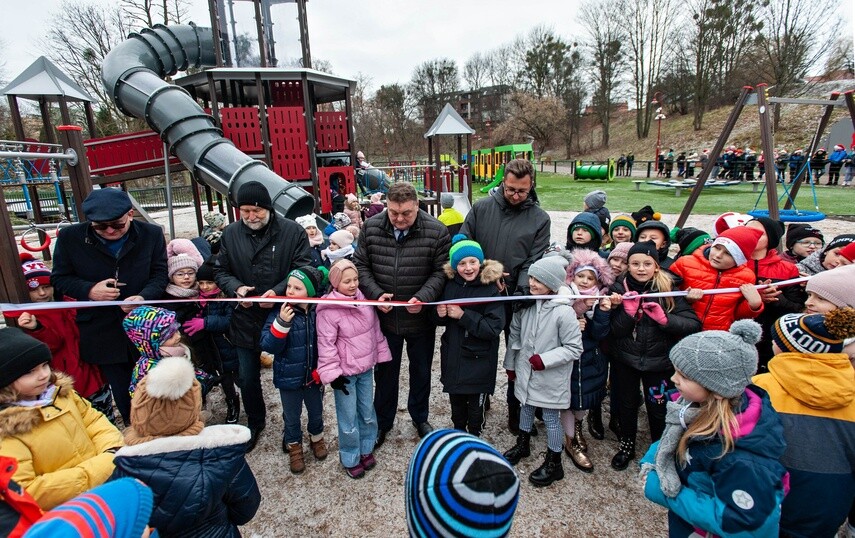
(512, 229)
(110, 258)
(256, 254)
(400, 258)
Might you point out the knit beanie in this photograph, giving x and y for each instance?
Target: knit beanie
(798, 231)
(459, 485)
(814, 333)
(729, 220)
(720, 361)
(148, 327)
(848, 252)
(118, 509)
(654, 225)
(354, 231)
(19, 353)
(206, 271)
(342, 238)
(621, 251)
(214, 219)
(253, 193)
(307, 221)
(550, 271)
(311, 277)
(603, 214)
(648, 248)
(645, 214)
(36, 272)
(463, 247)
(182, 254)
(166, 402)
(106, 204)
(839, 241)
(689, 239)
(446, 200)
(774, 230)
(623, 220)
(338, 268)
(740, 242)
(376, 198)
(590, 222)
(595, 199)
(835, 285)
(341, 221)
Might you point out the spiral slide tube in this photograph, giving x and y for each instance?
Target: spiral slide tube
(132, 74)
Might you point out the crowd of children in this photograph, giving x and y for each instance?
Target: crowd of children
(678, 320)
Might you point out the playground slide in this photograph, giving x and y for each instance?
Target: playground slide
(132, 74)
(500, 174)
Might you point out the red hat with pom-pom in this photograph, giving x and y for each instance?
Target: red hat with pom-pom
(35, 271)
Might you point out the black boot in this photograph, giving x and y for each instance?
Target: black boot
(625, 454)
(551, 470)
(514, 418)
(595, 423)
(520, 450)
(232, 409)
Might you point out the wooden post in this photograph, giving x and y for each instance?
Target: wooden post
(262, 120)
(17, 122)
(197, 202)
(310, 107)
(47, 125)
(304, 33)
(259, 26)
(78, 175)
(90, 120)
(13, 288)
(469, 168)
(814, 144)
(215, 29)
(768, 151)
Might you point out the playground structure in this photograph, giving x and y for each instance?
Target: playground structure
(488, 164)
(605, 171)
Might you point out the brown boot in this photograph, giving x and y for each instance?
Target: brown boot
(295, 455)
(577, 455)
(319, 448)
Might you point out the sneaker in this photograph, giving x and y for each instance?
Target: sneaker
(355, 472)
(367, 461)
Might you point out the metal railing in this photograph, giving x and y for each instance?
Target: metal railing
(151, 199)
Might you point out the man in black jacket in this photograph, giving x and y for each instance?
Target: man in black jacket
(400, 258)
(110, 258)
(256, 254)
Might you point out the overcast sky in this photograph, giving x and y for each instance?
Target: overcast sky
(383, 39)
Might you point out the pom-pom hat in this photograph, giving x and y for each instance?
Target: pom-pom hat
(549, 271)
(645, 214)
(307, 221)
(625, 221)
(814, 333)
(689, 239)
(463, 247)
(182, 254)
(729, 220)
(36, 272)
(311, 277)
(740, 242)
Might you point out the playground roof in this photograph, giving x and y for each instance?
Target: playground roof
(44, 79)
(449, 122)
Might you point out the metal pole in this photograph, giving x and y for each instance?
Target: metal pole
(168, 191)
(768, 149)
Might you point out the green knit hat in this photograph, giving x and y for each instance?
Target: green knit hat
(313, 278)
(623, 220)
(463, 247)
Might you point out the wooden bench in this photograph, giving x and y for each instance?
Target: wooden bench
(755, 185)
(637, 183)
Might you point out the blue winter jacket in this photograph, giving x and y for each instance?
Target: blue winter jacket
(218, 316)
(837, 156)
(295, 355)
(738, 495)
(588, 380)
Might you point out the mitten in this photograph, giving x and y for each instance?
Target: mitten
(536, 362)
(194, 325)
(316, 378)
(654, 311)
(512, 375)
(340, 383)
(630, 302)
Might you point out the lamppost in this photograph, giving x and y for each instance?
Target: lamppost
(659, 117)
(489, 126)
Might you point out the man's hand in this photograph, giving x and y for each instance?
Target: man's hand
(105, 290)
(441, 310)
(242, 292)
(268, 293)
(27, 321)
(132, 299)
(417, 306)
(454, 311)
(385, 297)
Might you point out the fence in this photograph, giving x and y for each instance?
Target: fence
(151, 199)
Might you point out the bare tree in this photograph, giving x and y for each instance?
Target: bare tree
(605, 35)
(541, 118)
(841, 56)
(433, 82)
(500, 70)
(542, 57)
(147, 13)
(475, 71)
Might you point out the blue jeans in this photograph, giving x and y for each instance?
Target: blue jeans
(387, 376)
(357, 421)
(249, 381)
(292, 410)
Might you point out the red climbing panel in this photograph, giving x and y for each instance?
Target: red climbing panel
(125, 153)
(286, 93)
(241, 126)
(331, 131)
(289, 143)
(326, 175)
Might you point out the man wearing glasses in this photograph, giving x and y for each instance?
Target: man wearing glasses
(513, 229)
(112, 257)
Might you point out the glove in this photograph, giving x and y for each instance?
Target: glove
(522, 304)
(512, 375)
(654, 311)
(536, 362)
(192, 326)
(340, 383)
(630, 302)
(316, 377)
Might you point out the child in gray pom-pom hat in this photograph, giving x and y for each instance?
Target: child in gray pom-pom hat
(717, 465)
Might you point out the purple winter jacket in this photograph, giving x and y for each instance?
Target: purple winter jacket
(350, 341)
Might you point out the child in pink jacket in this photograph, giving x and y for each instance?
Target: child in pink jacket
(350, 343)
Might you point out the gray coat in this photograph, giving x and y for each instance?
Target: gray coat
(516, 236)
(550, 329)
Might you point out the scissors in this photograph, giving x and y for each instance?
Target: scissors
(116, 284)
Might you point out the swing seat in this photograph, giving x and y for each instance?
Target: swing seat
(790, 215)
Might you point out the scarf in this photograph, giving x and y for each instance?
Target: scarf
(679, 416)
(334, 255)
(203, 297)
(579, 305)
(632, 284)
(318, 239)
(182, 293)
(45, 398)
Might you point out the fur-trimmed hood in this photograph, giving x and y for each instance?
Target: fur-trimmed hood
(210, 437)
(589, 258)
(17, 420)
(491, 271)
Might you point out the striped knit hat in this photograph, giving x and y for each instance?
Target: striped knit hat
(814, 333)
(463, 247)
(459, 485)
(623, 220)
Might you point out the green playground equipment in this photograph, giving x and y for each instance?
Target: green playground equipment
(595, 171)
(500, 175)
(486, 162)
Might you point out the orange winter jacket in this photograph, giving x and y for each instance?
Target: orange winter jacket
(716, 312)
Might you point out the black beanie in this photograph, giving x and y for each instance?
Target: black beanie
(800, 230)
(206, 271)
(690, 239)
(19, 353)
(254, 193)
(774, 230)
(647, 247)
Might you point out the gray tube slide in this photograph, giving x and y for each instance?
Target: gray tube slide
(132, 74)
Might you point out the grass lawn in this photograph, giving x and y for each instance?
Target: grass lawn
(560, 193)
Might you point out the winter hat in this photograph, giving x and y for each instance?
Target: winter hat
(654, 225)
(848, 252)
(341, 221)
(354, 231)
(19, 353)
(342, 238)
(376, 198)
(689, 239)
(648, 248)
(604, 215)
(740, 242)
(463, 247)
(595, 200)
(588, 260)
(360, 155)
(644, 214)
(214, 219)
(36, 272)
(166, 402)
(839, 242)
(621, 251)
(590, 222)
(118, 509)
(338, 267)
(459, 485)
(623, 220)
(774, 230)
(446, 200)
(728, 220)
(549, 271)
(798, 231)
(835, 285)
(350, 198)
(182, 253)
(206, 271)
(148, 327)
(311, 277)
(106, 204)
(307, 221)
(838, 147)
(720, 361)
(255, 194)
(814, 333)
